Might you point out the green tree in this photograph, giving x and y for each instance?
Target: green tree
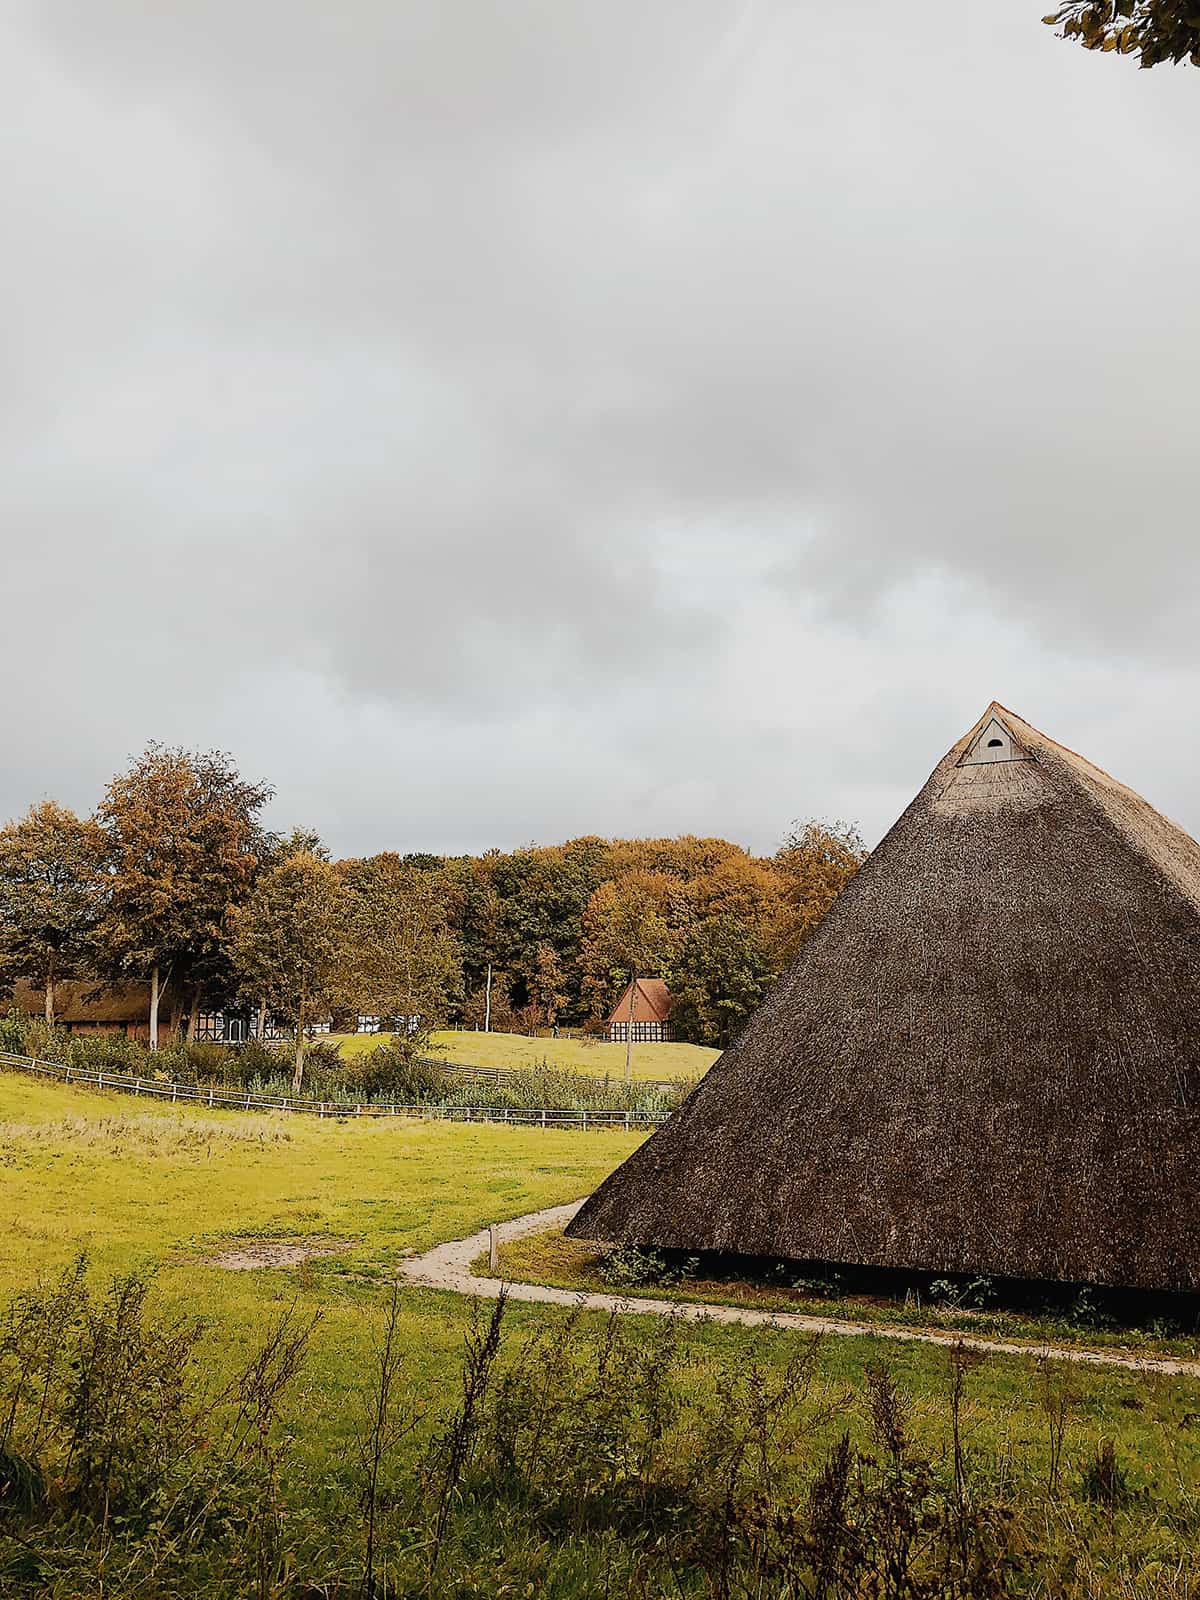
(1153, 30)
(290, 944)
(402, 961)
(50, 897)
(184, 845)
(815, 863)
(718, 978)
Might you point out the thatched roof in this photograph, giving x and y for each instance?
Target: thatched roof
(986, 1059)
(88, 1000)
(654, 1002)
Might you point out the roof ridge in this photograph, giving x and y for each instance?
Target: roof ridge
(1170, 849)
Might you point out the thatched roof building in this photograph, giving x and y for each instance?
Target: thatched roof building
(86, 1005)
(986, 1059)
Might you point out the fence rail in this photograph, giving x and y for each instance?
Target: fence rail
(245, 1100)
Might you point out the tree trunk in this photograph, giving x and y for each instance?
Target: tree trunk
(193, 1021)
(262, 1019)
(298, 1070)
(50, 1000)
(176, 1013)
(154, 1009)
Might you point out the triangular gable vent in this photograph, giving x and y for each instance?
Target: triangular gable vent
(994, 743)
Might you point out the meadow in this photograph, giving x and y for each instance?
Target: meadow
(1008, 1477)
(518, 1051)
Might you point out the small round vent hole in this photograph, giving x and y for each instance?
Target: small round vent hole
(995, 744)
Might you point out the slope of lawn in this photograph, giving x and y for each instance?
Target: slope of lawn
(162, 1189)
(597, 1058)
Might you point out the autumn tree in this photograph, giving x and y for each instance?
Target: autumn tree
(815, 863)
(494, 1010)
(1153, 30)
(547, 982)
(402, 961)
(290, 944)
(719, 976)
(627, 933)
(184, 844)
(50, 897)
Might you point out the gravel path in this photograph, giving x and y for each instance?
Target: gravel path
(448, 1266)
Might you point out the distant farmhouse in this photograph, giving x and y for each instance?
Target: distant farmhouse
(646, 1007)
(87, 1006)
(985, 1060)
(90, 1006)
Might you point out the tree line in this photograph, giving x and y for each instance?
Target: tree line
(176, 880)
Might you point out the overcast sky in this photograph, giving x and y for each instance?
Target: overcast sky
(499, 420)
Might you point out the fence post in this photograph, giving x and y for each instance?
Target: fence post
(585, 1122)
(174, 1093)
(100, 1080)
(211, 1091)
(493, 1248)
(627, 1122)
(543, 1119)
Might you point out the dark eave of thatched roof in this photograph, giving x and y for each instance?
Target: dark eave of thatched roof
(88, 1000)
(986, 1059)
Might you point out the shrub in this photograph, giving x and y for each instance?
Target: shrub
(627, 1267)
(395, 1072)
(12, 1034)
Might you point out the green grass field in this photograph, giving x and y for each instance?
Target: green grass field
(598, 1058)
(163, 1189)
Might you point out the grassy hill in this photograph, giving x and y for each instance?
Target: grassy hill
(595, 1057)
(164, 1190)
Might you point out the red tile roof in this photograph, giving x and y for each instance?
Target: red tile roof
(654, 1002)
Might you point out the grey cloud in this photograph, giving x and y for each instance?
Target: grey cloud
(749, 389)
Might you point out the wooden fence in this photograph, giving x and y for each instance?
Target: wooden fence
(244, 1100)
(499, 1075)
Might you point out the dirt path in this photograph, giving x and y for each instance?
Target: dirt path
(448, 1266)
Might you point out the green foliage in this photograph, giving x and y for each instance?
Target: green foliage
(718, 978)
(627, 1267)
(290, 946)
(401, 960)
(51, 896)
(1153, 30)
(396, 1072)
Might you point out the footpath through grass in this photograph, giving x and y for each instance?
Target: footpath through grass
(552, 1259)
(596, 1057)
(165, 1189)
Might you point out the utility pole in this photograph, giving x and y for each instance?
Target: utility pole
(487, 1004)
(629, 1031)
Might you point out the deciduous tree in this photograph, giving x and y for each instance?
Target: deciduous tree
(402, 961)
(719, 976)
(184, 845)
(816, 862)
(51, 896)
(290, 944)
(1153, 30)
